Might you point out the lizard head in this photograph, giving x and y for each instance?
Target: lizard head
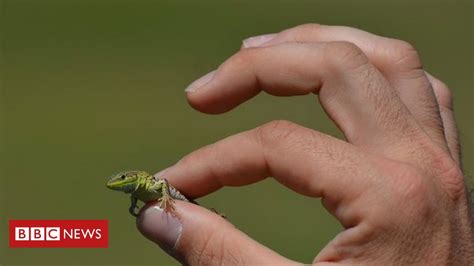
(126, 181)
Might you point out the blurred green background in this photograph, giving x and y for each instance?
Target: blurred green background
(92, 87)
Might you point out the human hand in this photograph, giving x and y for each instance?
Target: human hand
(395, 184)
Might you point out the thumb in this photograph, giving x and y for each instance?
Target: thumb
(195, 236)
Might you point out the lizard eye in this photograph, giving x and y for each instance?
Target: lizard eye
(122, 176)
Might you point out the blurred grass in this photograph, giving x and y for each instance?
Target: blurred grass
(92, 87)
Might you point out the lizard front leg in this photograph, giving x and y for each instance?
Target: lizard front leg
(166, 201)
(133, 206)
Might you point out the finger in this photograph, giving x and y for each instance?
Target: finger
(196, 236)
(396, 59)
(445, 102)
(306, 161)
(390, 55)
(354, 94)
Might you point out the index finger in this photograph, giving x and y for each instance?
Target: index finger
(304, 160)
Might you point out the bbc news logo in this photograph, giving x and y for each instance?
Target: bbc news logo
(59, 233)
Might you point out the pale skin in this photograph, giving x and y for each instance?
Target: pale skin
(395, 183)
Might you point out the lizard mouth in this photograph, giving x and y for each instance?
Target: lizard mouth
(115, 184)
(120, 185)
(111, 185)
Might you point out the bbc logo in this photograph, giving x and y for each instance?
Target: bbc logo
(59, 233)
(37, 233)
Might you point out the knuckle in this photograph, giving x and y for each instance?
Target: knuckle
(299, 33)
(448, 174)
(308, 27)
(405, 54)
(454, 183)
(346, 54)
(402, 46)
(191, 157)
(423, 188)
(242, 59)
(277, 131)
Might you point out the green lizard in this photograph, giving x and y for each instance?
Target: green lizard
(145, 187)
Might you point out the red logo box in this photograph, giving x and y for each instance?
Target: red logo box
(59, 233)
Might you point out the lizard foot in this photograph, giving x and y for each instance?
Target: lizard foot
(167, 204)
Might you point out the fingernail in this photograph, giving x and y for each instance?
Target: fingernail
(200, 82)
(160, 227)
(257, 40)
